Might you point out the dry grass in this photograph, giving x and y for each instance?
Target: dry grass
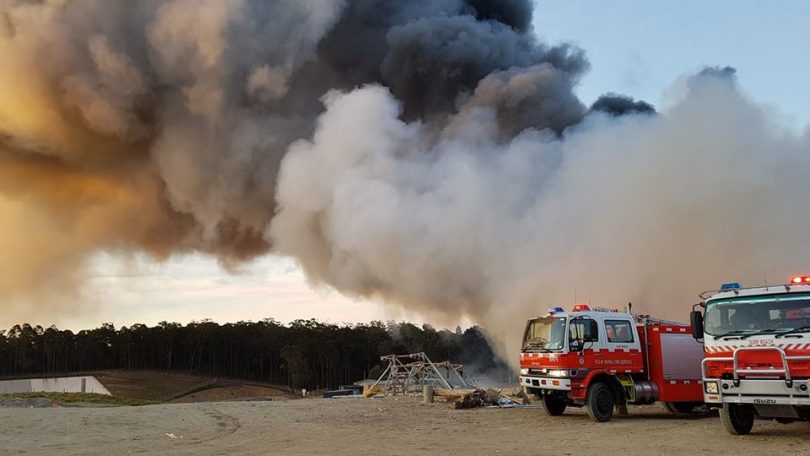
(75, 398)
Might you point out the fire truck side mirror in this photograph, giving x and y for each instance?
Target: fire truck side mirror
(696, 320)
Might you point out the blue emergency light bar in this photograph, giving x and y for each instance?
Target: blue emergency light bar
(553, 310)
(730, 286)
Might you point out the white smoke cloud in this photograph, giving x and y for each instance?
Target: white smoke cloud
(649, 209)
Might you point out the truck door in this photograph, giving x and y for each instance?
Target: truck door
(583, 336)
(623, 350)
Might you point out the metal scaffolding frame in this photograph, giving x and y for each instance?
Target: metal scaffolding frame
(409, 373)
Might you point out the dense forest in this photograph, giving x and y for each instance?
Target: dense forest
(305, 353)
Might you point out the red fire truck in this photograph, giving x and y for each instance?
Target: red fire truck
(757, 343)
(604, 359)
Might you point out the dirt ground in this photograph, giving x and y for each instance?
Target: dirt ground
(387, 426)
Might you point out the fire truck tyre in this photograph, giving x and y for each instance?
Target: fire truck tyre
(599, 402)
(554, 405)
(738, 419)
(680, 407)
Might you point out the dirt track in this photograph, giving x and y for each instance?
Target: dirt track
(372, 426)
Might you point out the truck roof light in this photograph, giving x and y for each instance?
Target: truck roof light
(795, 280)
(731, 286)
(580, 308)
(553, 310)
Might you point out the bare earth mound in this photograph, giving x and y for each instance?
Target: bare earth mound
(341, 427)
(232, 392)
(150, 385)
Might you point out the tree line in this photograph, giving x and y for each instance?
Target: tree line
(302, 354)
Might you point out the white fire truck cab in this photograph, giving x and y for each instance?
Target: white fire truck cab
(757, 352)
(604, 359)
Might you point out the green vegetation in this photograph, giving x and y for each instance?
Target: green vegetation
(74, 398)
(304, 354)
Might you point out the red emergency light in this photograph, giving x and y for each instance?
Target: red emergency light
(580, 308)
(796, 280)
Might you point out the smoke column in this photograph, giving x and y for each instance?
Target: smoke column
(431, 154)
(159, 126)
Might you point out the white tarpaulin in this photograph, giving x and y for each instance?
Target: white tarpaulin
(83, 384)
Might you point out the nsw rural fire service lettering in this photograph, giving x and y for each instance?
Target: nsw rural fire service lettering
(613, 361)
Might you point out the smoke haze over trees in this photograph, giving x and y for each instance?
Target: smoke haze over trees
(305, 353)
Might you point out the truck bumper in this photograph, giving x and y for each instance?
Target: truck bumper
(758, 392)
(549, 383)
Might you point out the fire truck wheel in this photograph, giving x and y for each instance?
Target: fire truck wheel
(554, 405)
(738, 419)
(599, 402)
(680, 407)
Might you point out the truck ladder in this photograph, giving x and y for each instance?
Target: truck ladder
(649, 321)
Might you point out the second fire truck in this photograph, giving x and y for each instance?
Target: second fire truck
(604, 359)
(757, 363)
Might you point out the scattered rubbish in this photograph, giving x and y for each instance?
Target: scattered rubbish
(372, 391)
(506, 402)
(489, 398)
(337, 393)
(345, 390)
(472, 400)
(171, 435)
(358, 389)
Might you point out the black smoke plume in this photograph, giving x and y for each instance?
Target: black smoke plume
(160, 125)
(619, 105)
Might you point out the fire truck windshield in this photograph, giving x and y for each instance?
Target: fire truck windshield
(545, 334)
(745, 316)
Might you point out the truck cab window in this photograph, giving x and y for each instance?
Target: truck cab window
(619, 331)
(773, 312)
(545, 334)
(583, 330)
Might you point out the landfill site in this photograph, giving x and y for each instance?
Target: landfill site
(369, 426)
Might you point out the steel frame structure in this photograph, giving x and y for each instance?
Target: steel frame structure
(410, 373)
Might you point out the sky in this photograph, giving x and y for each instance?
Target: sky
(642, 49)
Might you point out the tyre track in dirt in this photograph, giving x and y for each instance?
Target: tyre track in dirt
(224, 425)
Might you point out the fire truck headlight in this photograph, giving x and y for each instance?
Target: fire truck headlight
(558, 373)
(524, 371)
(711, 387)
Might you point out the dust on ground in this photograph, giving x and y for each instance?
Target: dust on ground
(389, 426)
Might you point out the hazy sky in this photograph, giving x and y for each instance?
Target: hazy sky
(636, 48)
